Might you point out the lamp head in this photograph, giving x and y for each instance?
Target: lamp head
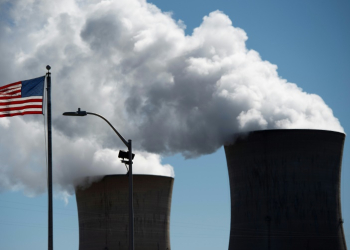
(77, 113)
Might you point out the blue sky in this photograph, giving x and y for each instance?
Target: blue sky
(307, 40)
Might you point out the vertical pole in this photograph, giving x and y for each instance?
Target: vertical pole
(131, 205)
(49, 167)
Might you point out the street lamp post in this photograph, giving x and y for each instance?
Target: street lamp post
(129, 155)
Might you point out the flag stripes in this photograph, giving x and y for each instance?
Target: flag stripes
(11, 85)
(14, 100)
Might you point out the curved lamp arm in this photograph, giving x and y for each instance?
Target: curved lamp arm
(84, 113)
(120, 136)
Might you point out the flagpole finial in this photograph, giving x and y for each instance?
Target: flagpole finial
(48, 67)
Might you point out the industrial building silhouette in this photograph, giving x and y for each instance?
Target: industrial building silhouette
(104, 219)
(285, 195)
(285, 190)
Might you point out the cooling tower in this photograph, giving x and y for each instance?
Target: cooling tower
(104, 219)
(285, 190)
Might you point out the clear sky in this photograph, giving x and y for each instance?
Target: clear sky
(307, 40)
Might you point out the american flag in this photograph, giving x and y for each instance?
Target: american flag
(22, 98)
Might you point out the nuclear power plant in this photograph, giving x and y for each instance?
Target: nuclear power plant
(285, 194)
(285, 190)
(104, 219)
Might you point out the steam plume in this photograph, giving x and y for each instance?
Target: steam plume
(127, 60)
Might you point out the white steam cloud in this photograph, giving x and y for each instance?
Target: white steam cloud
(129, 61)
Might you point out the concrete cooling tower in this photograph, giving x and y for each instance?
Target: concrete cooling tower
(104, 219)
(285, 190)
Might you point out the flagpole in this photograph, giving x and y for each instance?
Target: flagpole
(49, 152)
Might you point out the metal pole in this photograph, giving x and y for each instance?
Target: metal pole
(129, 145)
(131, 205)
(49, 152)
